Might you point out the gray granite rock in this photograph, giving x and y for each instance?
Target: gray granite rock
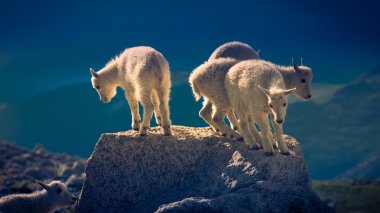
(194, 170)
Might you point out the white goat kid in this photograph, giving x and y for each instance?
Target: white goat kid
(55, 195)
(298, 77)
(207, 80)
(236, 50)
(143, 73)
(256, 89)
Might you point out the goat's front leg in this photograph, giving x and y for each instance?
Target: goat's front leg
(263, 123)
(255, 133)
(244, 129)
(272, 123)
(280, 143)
(234, 123)
(134, 106)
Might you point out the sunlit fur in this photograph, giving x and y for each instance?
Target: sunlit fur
(292, 75)
(252, 86)
(237, 50)
(143, 73)
(207, 80)
(45, 201)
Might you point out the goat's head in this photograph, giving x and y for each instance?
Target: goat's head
(59, 194)
(304, 76)
(105, 88)
(277, 102)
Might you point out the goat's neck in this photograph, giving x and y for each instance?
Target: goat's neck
(43, 198)
(111, 73)
(289, 76)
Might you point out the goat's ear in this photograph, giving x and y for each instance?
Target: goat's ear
(288, 91)
(43, 185)
(93, 73)
(265, 91)
(302, 62)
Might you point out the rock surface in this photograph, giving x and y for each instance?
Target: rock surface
(193, 171)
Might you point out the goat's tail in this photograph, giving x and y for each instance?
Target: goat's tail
(193, 84)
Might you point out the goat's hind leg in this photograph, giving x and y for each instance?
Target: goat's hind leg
(206, 114)
(156, 104)
(148, 111)
(218, 119)
(163, 97)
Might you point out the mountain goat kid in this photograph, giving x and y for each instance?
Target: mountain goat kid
(143, 73)
(207, 80)
(53, 197)
(298, 77)
(256, 89)
(234, 50)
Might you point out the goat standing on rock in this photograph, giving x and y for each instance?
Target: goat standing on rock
(207, 80)
(143, 73)
(256, 89)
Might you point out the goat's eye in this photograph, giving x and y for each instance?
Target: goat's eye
(97, 87)
(303, 81)
(284, 104)
(271, 106)
(59, 190)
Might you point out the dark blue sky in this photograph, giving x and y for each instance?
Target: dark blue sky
(47, 44)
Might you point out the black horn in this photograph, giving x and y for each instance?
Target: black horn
(294, 64)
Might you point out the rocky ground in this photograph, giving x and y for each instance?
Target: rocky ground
(20, 168)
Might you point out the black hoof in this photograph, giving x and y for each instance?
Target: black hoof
(286, 153)
(274, 147)
(240, 139)
(136, 129)
(224, 135)
(268, 153)
(142, 134)
(255, 148)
